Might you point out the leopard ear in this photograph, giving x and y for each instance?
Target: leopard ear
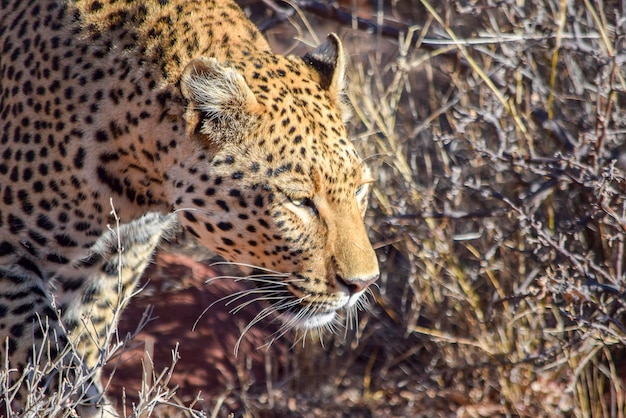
(218, 99)
(329, 61)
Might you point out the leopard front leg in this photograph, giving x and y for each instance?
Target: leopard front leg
(52, 338)
(92, 292)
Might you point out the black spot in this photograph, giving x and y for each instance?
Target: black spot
(79, 158)
(228, 242)
(17, 330)
(109, 179)
(65, 241)
(189, 216)
(102, 136)
(45, 205)
(45, 223)
(27, 174)
(106, 157)
(43, 169)
(95, 6)
(98, 74)
(283, 169)
(22, 309)
(38, 238)
(8, 195)
(27, 264)
(71, 284)
(131, 193)
(15, 224)
(6, 248)
(56, 258)
(222, 205)
(192, 232)
(82, 226)
(225, 226)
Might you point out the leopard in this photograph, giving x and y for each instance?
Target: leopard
(125, 122)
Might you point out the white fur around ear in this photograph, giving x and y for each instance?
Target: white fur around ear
(217, 97)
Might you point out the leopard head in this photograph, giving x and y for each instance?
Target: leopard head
(275, 183)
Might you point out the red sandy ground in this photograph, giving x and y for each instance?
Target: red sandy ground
(207, 362)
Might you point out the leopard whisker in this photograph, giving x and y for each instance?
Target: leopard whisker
(351, 319)
(364, 303)
(243, 293)
(275, 306)
(290, 323)
(306, 311)
(265, 279)
(271, 287)
(252, 266)
(238, 308)
(264, 313)
(261, 278)
(235, 296)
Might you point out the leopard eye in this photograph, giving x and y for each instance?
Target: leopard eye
(360, 189)
(304, 202)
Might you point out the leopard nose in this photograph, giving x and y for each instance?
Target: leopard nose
(357, 285)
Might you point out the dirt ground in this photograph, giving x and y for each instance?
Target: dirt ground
(187, 318)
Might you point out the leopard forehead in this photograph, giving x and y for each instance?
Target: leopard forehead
(300, 134)
(302, 129)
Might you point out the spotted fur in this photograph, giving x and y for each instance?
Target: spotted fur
(176, 114)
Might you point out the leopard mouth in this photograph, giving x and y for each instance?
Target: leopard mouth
(298, 308)
(310, 316)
